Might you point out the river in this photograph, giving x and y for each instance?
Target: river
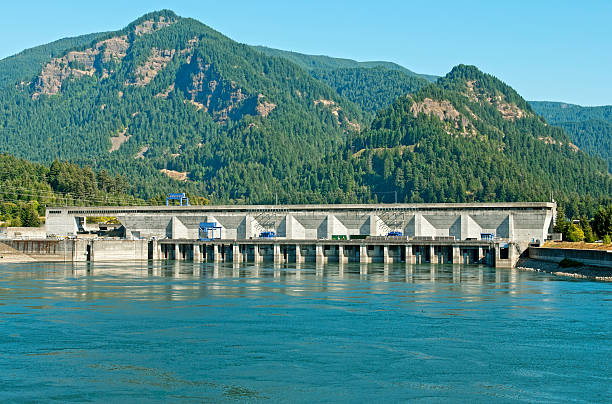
(184, 332)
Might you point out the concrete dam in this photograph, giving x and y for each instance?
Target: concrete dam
(492, 233)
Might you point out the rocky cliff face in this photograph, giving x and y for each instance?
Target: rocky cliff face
(509, 111)
(199, 81)
(98, 60)
(205, 88)
(156, 62)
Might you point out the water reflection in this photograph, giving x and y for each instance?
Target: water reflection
(175, 280)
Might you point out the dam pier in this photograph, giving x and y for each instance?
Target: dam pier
(387, 250)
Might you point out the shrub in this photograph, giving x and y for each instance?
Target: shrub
(568, 263)
(575, 233)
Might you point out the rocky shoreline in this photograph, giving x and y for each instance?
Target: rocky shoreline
(584, 272)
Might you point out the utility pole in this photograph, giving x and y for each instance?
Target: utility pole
(395, 197)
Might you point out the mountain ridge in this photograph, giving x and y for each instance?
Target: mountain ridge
(589, 127)
(316, 62)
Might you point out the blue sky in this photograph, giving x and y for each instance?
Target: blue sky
(547, 50)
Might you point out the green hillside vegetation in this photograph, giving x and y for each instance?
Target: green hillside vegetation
(590, 128)
(371, 85)
(26, 188)
(321, 62)
(555, 112)
(173, 105)
(370, 88)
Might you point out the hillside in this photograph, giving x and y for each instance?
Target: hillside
(26, 188)
(173, 105)
(371, 85)
(321, 62)
(590, 128)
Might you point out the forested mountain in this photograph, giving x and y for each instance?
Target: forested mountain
(590, 128)
(173, 105)
(555, 112)
(169, 93)
(321, 62)
(371, 85)
(370, 88)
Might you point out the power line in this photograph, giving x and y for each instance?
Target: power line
(59, 196)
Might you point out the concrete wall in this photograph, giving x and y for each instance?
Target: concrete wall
(78, 250)
(118, 250)
(599, 258)
(47, 250)
(23, 232)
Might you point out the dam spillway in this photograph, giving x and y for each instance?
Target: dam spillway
(433, 233)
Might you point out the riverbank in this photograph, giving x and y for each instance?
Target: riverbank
(584, 272)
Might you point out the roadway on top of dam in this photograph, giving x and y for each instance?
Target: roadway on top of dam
(80, 210)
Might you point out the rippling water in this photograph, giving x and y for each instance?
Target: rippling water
(204, 332)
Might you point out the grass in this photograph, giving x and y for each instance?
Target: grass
(580, 245)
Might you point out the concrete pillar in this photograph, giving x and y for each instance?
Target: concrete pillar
(156, 252)
(341, 258)
(320, 256)
(235, 253)
(410, 258)
(216, 254)
(433, 258)
(480, 253)
(196, 253)
(496, 252)
(177, 252)
(298, 254)
(386, 254)
(456, 254)
(363, 254)
(512, 254)
(277, 254)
